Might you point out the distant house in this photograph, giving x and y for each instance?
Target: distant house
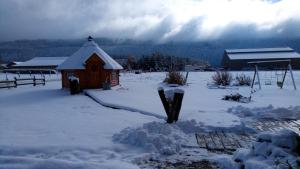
(239, 59)
(191, 68)
(92, 66)
(3, 66)
(12, 64)
(50, 63)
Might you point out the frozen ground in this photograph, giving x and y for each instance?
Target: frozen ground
(45, 127)
(199, 103)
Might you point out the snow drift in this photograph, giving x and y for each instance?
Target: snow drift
(269, 151)
(166, 139)
(269, 112)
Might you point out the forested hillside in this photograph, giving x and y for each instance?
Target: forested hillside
(211, 51)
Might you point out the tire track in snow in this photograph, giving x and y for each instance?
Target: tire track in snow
(115, 106)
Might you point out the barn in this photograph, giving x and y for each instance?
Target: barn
(239, 59)
(92, 66)
(37, 65)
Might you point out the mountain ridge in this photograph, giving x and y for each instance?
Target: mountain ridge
(212, 51)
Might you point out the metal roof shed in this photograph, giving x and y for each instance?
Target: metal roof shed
(238, 59)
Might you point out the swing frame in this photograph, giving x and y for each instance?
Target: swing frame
(288, 67)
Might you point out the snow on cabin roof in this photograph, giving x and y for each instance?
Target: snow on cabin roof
(262, 53)
(43, 61)
(78, 59)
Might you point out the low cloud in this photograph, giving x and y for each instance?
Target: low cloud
(160, 21)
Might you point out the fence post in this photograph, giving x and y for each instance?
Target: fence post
(15, 82)
(44, 80)
(34, 83)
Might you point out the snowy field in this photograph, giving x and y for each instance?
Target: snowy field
(46, 127)
(200, 103)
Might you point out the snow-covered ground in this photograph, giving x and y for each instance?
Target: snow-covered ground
(199, 103)
(46, 127)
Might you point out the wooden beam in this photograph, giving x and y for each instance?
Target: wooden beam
(253, 80)
(283, 78)
(291, 71)
(256, 68)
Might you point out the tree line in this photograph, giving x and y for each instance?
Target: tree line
(160, 62)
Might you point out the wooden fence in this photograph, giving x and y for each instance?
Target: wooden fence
(22, 81)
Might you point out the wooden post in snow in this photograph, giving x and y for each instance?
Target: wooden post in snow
(44, 80)
(177, 102)
(34, 81)
(173, 106)
(15, 82)
(186, 77)
(164, 101)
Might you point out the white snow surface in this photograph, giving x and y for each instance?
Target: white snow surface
(78, 59)
(166, 139)
(271, 150)
(139, 91)
(48, 77)
(46, 127)
(269, 112)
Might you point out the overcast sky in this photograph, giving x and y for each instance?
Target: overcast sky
(158, 20)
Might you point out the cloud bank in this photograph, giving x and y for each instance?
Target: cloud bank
(157, 20)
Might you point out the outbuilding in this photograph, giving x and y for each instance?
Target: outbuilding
(50, 63)
(91, 66)
(239, 59)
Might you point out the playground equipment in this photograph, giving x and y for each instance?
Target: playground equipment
(280, 77)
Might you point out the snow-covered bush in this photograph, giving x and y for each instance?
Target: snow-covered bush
(243, 80)
(223, 78)
(175, 77)
(237, 97)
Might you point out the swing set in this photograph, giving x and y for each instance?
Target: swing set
(270, 76)
(280, 73)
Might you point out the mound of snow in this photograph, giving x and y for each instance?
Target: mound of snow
(268, 112)
(270, 150)
(160, 137)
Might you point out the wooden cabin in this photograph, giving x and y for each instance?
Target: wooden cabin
(92, 66)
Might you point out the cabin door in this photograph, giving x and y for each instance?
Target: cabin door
(94, 79)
